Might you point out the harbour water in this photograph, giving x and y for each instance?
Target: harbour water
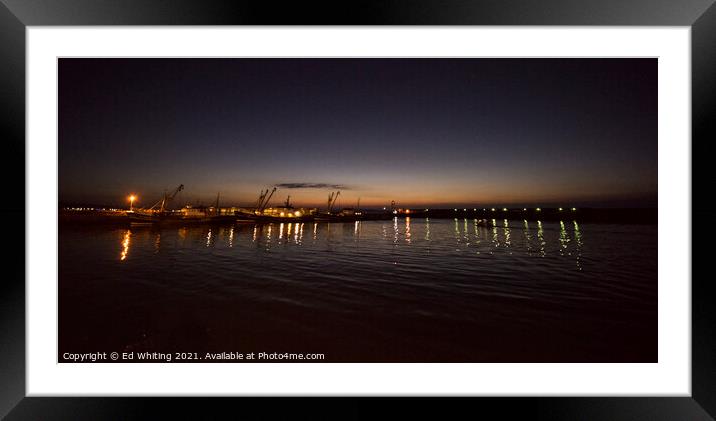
(401, 290)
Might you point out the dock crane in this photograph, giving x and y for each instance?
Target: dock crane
(166, 199)
(332, 200)
(263, 200)
(266, 202)
(262, 196)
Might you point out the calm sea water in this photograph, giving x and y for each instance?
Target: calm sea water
(406, 290)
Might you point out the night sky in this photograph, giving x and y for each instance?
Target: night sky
(422, 132)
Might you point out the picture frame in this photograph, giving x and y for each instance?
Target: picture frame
(16, 15)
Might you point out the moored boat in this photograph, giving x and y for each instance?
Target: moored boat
(140, 217)
(159, 213)
(264, 214)
(242, 216)
(347, 214)
(261, 213)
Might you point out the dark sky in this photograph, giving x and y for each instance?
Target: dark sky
(422, 132)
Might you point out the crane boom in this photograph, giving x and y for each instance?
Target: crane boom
(167, 198)
(332, 200)
(262, 196)
(265, 203)
(177, 190)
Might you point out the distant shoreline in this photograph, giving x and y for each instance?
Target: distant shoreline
(99, 215)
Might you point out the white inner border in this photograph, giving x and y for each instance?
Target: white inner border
(670, 376)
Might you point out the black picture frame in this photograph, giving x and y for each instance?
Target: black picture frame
(16, 15)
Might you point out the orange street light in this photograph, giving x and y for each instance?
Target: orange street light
(132, 198)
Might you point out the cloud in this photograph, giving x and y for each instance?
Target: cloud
(312, 186)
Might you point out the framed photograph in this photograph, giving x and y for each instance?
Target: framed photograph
(413, 200)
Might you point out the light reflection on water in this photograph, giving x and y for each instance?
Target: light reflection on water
(578, 239)
(125, 244)
(431, 248)
(507, 234)
(366, 282)
(431, 236)
(527, 236)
